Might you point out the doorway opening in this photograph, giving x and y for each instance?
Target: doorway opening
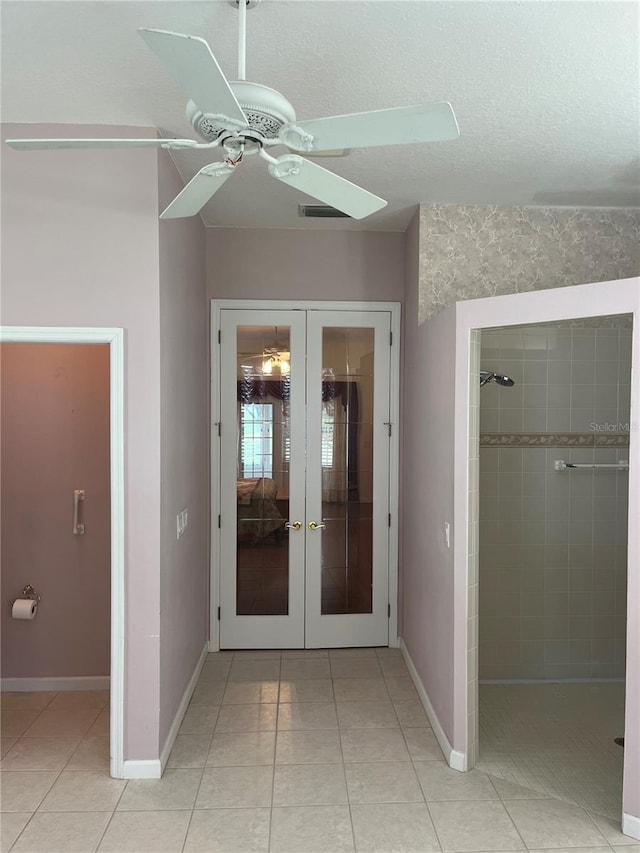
(553, 510)
(63, 415)
(305, 475)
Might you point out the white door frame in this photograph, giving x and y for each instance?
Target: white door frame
(115, 338)
(393, 308)
(542, 306)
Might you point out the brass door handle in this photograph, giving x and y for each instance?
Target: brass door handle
(313, 525)
(293, 525)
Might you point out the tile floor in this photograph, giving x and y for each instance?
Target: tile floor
(556, 739)
(292, 751)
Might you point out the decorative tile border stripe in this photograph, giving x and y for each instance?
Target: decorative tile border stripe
(553, 439)
(616, 439)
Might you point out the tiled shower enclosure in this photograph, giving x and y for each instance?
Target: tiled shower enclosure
(552, 555)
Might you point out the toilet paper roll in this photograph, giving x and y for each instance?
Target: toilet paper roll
(24, 608)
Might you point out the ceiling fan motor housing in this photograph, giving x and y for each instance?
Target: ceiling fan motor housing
(266, 111)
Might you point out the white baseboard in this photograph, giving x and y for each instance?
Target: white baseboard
(30, 685)
(631, 826)
(177, 720)
(151, 769)
(455, 759)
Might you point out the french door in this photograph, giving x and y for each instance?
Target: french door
(304, 478)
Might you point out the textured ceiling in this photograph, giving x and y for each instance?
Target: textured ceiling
(546, 93)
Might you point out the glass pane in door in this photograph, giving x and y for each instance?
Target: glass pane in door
(347, 469)
(263, 447)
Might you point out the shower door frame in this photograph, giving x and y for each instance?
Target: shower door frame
(601, 299)
(393, 308)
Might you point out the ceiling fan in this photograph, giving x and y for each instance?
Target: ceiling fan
(244, 118)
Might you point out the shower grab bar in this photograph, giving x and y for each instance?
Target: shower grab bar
(561, 465)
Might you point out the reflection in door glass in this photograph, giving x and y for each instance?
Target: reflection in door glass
(256, 439)
(347, 470)
(263, 394)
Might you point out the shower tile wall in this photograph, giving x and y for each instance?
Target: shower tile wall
(553, 544)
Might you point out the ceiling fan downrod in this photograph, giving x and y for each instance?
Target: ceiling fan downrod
(242, 34)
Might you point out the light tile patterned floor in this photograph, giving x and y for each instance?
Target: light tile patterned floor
(286, 752)
(557, 740)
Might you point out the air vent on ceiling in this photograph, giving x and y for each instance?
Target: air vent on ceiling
(321, 211)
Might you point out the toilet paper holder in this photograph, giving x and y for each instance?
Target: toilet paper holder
(27, 592)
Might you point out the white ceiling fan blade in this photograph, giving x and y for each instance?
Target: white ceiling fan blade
(190, 62)
(35, 144)
(198, 191)
(428, 123)
(333, 152)
(325, 186)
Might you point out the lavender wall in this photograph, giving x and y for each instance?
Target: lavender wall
(80, 248)
(184, 448)
(427, 501)
(252, 263)
(54, 438)
(411, 267)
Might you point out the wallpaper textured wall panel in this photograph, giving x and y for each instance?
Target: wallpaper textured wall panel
(468, 252)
